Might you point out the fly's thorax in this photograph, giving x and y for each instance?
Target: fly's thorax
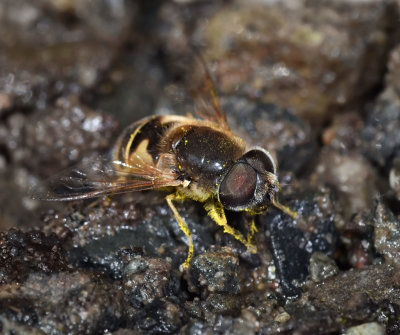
(206, 154)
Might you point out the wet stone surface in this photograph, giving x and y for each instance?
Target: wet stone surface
(294, 242)
(50, 303)
(386, 233)
(215, 272)
(42, 144)
(312, 55)
(350, 175)
(23, 253)
(53, 136)
(314, 83)
(380, 133)
(44, 55)
(360, 295)
(109, 235)
(159, 318)
(321, 267)
(274, 128)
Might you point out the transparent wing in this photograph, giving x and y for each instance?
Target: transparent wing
(205, 96)
(102, 176)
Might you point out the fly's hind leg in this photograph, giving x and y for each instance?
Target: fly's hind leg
(183, 227)
(217, 213)
(98, 201)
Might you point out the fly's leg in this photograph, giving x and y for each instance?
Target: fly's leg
(97, 201)
(283, 208)
(183, 227)
(217, 213)
(252, 230)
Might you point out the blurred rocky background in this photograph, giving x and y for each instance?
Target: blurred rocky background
(314, 82)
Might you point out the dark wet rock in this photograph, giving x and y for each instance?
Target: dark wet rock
(358, 250)
(381, 140)
(23, 253)
(386, 233)
(216, 271)
(222, 325)
(392, 88)
(124, 331)
(304, 320)
(342, 167)
(321, 267)
(359, 294)
(20, 317)
(16, 205)
(380, 134)
(159, 318)
(107, 19)
(350, 175)
(49, 141)
(43, 56)
(175, 18)
(134, 86)
(356, 241)
(146, 280)
(273, 128)
(236, 326)
(393, 328)
(316, 56)
(10, 327)
(63, 135)
(222, 304)
(197, 328)
(394, 176)
(105, 256)
(105, 229)
(293, 242)
(26, 81)
(344, 132)
(215, 304)
(49, 303)
(44, 144)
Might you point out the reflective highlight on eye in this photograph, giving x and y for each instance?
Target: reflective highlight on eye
(260, 160)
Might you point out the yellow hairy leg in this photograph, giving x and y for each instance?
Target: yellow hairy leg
(252, 229)
(96, 202)
(284, 209)
(183, 226)
(217, 213)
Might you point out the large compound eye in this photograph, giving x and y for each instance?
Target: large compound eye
(261, 160)
(237, 188)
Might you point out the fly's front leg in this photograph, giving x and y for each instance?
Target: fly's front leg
(252, 230)
(217, 213)
(183, 227)
(284, 209)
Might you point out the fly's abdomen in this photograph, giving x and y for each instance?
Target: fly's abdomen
(142, 139)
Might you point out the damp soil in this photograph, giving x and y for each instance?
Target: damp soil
(316, 84)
